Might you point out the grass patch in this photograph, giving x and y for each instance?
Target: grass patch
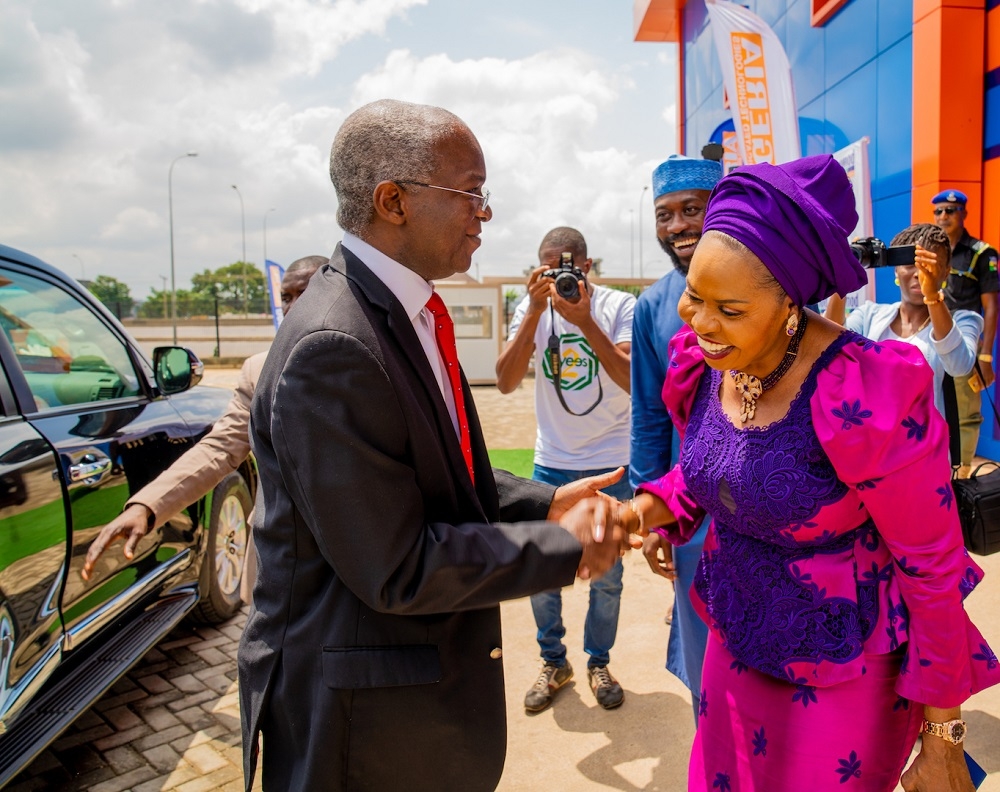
(519, 461)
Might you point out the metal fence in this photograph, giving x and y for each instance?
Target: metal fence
(225, 336)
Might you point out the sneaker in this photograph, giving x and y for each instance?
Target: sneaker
(549, 681)
(607, 691)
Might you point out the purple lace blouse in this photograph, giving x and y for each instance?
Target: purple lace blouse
(834, 532)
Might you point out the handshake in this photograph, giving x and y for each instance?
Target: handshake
(605, 526)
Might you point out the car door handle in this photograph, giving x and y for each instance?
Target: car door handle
(90, 470)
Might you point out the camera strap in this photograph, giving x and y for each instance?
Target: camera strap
(555, 363)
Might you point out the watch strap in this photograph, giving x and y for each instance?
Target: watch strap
(952, 731)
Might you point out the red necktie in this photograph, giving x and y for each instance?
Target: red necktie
(444, 332)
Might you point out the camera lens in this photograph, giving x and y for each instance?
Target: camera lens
(567, 286)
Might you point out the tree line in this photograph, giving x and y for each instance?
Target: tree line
(212, 291)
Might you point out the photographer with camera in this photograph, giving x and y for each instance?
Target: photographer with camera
(947, 339)
(580, 336)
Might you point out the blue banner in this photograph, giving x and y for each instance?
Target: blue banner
(274, 272)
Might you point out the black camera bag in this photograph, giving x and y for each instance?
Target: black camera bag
(978, 501)
(977, 497)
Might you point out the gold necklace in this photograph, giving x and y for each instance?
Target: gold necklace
(927, 321)
(751, 388)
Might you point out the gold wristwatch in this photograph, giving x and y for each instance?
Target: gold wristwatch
(953, 731)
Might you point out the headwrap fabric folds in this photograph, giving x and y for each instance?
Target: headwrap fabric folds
(795, 217)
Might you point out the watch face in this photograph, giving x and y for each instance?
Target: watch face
(957, 732)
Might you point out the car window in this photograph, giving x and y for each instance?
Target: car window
(68, 355)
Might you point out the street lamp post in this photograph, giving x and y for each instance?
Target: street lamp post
(641, 194)
(265, 237)
(173, 274)
(631, 243)
(243, 225)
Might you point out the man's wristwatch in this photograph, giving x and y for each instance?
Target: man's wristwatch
(952, 731)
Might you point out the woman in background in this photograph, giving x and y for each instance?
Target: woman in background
(949, 342)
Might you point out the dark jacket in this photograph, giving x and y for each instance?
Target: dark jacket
(370, 658)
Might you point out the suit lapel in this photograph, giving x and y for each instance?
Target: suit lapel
(402, 333)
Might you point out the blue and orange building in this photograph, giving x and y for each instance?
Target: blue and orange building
(919, 78)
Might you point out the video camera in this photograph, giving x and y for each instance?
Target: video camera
(872, 253)
(567, 277)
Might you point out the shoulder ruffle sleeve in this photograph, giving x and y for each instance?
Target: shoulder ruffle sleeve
(684, 369)
(873, 412)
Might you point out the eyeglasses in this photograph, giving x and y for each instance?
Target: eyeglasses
(483, 198)
(948, 210)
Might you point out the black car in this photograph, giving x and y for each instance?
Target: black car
(86, 420)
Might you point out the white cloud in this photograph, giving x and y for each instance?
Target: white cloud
(99, 98)
(536, 119)
(102, 99)
(310, 32)
(133, 223)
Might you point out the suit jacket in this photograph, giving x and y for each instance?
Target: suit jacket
(215, 456)
(211, 459)
(371, 657)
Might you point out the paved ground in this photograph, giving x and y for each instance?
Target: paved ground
(173, 722)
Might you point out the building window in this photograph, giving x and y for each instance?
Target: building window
(823, 10)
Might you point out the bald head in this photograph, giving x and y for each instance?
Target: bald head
(387, 140)
(297, 277)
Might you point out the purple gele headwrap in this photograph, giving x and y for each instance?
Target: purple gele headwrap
(795, 218)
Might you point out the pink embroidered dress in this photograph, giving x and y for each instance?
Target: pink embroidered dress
(833, 574)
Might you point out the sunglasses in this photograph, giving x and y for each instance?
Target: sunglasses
(948, 210)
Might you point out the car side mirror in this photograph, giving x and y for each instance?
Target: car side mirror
(176, 369)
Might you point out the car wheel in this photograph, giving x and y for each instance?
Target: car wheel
(222, 565)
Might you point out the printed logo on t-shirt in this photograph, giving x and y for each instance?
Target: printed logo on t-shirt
(992, 263)
(579, 363)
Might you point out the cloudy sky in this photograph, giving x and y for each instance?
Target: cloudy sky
(98, 97)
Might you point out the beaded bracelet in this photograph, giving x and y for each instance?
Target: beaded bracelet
(940, 298)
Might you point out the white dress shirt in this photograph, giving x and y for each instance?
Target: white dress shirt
(413, 292)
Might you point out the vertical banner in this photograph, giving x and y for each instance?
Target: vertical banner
(854, 158)
(725, 135)
(731, 157)
(273, 273)
(758, 82)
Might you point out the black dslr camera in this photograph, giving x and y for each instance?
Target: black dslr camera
(566, 277)
(872, 253)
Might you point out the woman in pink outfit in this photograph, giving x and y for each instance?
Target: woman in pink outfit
(833, 575)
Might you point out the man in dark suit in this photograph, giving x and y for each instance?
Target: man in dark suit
(371, 657)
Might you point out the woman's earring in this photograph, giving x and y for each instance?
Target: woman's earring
(792, 324)
(897, 281)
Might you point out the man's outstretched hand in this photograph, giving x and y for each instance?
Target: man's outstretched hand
(568, 495)
(131, 525)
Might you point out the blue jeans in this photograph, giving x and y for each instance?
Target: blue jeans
(601, 625)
